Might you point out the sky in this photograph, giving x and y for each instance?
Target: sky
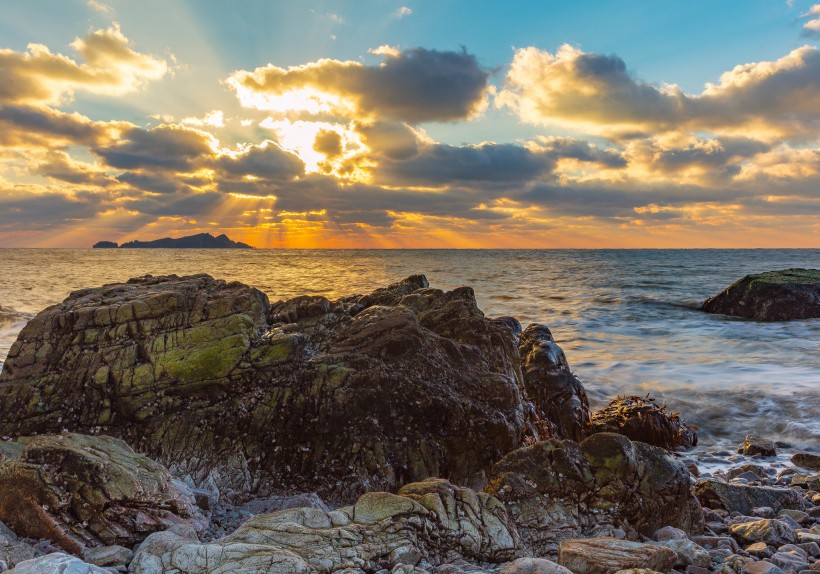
(411, 124)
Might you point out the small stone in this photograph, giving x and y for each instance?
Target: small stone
(763, 512)
(797, 515)
(772, 532)
(810, 548)
(669, 533)
(761, 567)
(692, 569)
(789, 561)
(688, 552)
(807, 460)
(108, 555)
(759, 549)
(533, 566)
(756, 445)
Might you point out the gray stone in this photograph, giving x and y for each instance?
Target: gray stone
(808, 460)
(789, 561)
(669, 533)
(714, 493)
(753, 445)
(533, 566)
(688, 552)
(108, 555)
(761, 567)
(56, 563)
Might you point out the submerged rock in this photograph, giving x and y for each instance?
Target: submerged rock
(81, 491)
(560, 489)
(642, 419)
(432, 521)
(771, 296)
(337, 397)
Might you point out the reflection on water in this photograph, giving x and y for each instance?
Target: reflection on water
(628, 320)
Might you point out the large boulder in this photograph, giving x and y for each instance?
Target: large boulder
(771, 296)
(338, 397)
(79, 491)
(609, 555)
(432, 521)
(642, 419)
(559, 489)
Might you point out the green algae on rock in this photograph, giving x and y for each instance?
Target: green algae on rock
(771, 296)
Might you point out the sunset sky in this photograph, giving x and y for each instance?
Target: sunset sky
(372, 123)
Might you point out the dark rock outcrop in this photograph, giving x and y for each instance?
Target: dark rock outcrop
(771, 296)
(105, 245)
(198, 241)
(560, 489)
(78, 491)
(338, 397)
(642, 419)
(432, 521)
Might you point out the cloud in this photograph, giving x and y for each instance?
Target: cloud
(403, 11)
(113, 67)
(171, 147)
(99, 7)
(59, 166)
(41, 126)
(812, 26)
(413, 86)
(266, 161)
(214, 119)
(597, 94)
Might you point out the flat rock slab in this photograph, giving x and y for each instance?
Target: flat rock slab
(714, 493)
(771, 296)
(610, 555)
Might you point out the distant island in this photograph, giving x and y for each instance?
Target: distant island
(198, 241)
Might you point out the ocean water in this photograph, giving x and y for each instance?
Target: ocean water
(627, 319)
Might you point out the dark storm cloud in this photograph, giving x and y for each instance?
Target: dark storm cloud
(415, 85)
(266, 160)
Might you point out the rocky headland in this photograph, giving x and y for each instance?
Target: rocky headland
(188, 425)
(198, 241)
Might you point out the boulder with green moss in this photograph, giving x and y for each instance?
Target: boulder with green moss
(771, 296)
(606, 485)
(338, 397)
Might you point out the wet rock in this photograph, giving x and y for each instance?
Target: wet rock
(56, 563)
(431, 521)
(78, 491)
(550, 384)
(609, 555)
(642, 419)
(807, 481)
(772, 532)
(753, 445)
(337, 397)
(807, 460)
(533, 566)
(714, 493)
(555, 490)
(771, 296)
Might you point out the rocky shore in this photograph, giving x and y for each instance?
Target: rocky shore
(188, 425)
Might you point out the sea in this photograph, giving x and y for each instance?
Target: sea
(628, 320)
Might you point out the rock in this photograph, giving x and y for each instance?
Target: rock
(715, 542)
(810, 548)
(759, 549)
(642, 419)
(761, 568)
(609, 555)
(807, 460)
(560, 489)
(429, 521)
(756, 445)
(108, 555)
(742, 498)
(789, 561)
(56, 563)
(669, 533)
(772, 532)
(688, 553)
(797, 515)
(105, 245)
(307, 395)
(550, 384)
(78, 490)
(771, 296)
(533, 566)
(14, 550)
(807, 481)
